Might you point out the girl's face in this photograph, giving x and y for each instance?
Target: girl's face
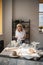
(19, 28)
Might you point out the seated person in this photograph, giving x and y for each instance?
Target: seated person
(20, 33)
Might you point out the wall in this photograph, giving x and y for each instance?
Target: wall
(7, 21)
(1, 21)
(26, 10)
(1, 37)
(0, 17)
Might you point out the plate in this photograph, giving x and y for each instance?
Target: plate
(28, 57)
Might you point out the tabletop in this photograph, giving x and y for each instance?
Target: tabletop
(5, 60)
(17, 61)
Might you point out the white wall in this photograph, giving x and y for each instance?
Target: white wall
(28, 9)
(7, 20)
(22, 9)
(1, 37)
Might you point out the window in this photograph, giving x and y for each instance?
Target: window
(0, 17)
(41, 17)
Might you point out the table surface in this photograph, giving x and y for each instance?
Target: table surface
(5, 60)
(17, 61)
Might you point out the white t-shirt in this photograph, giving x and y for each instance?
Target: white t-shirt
(20, 35)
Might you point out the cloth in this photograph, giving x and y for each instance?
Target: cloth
(20, 34)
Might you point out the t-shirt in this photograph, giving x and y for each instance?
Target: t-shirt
(20, 34)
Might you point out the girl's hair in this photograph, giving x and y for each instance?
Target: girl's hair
(19, 25)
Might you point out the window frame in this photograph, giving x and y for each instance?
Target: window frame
(40, 26)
